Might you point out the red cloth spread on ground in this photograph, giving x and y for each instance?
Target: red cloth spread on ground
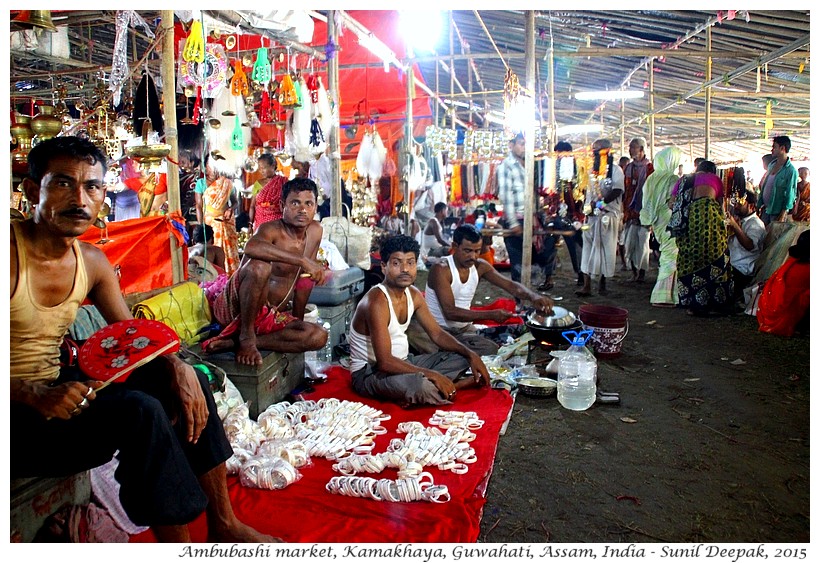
(305, 512)
(502, 303)
(139, 249)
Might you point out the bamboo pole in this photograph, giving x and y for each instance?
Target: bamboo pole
(333, 138)
(169, 110)
(652, 109)
(553, 124)
(529, 162)
(708, 103)
(408, 148)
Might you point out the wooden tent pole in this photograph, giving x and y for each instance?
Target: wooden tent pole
(529, 160)
(652, 109)
(333, 134)
(708, 105)
(169, 111)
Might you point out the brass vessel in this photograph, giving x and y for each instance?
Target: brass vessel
(46, 124)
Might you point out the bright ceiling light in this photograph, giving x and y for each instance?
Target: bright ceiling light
(421, 29)
(609, 95)
(576, 129)
(375, 46)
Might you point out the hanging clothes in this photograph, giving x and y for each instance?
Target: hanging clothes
(455, 184)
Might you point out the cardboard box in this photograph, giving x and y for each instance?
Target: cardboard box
(34, 499)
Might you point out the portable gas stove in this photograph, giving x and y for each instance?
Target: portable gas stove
(538, 351)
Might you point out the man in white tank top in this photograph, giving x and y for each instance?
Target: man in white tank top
(381, 365)
(432, 238)
(451, 286)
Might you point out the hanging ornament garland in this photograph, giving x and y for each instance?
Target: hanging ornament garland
(119, 63)
(211, 73)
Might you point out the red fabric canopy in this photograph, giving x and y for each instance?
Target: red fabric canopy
(306, 512)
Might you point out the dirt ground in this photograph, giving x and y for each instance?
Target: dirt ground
(710, 442)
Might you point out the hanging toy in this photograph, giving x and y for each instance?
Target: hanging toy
(237, 138)
(197, 106)
(261, 68)
(287, 92)
(265, 109)
(194, 46)
(316, 135)
(239, 82)
(312, 82)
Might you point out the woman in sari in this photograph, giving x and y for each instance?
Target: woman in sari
(655, 212)
(215, 203)
(698, 223)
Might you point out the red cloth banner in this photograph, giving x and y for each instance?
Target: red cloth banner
(140, 252)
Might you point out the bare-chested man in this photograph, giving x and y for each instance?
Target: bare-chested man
(161, 422)
(277, 260)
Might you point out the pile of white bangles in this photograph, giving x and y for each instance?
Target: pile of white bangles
(421, 447)
(268, 452)
(400, 490)
(292, 433)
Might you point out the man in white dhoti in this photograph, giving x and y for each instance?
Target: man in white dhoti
(602, 206)
(636, 235)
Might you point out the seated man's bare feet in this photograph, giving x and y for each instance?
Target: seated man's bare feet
(247, 353)
(216, 345)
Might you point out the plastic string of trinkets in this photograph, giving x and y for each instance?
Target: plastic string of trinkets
(289, 434)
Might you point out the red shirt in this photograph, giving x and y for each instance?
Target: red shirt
(137, 182)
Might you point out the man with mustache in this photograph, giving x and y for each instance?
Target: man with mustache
(279, 258)
(381, 365)
(451, 286)
(161, 422)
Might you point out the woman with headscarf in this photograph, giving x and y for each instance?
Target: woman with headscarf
(655, 211)
(698, 223)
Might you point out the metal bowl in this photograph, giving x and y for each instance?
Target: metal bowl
(537, 386)
(560, 317)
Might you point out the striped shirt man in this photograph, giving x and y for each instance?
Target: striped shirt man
(511, 178)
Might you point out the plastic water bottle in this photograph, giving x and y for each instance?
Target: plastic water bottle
(325, 355)
(577, 371)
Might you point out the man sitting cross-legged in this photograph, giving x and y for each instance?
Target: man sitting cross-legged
(451, 286)
(161, 422)
(251, 307)
(381, 365)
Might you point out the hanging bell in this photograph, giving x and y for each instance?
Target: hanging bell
(34, 19)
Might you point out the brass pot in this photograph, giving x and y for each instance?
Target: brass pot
(45, 124)
(22, 133)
